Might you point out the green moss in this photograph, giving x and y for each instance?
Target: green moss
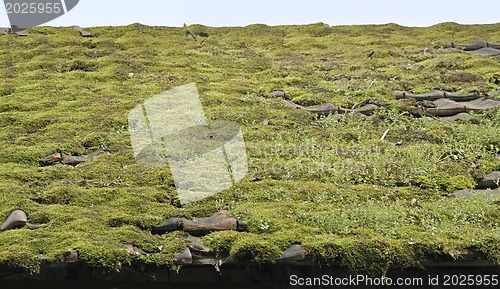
(489, 246)
(222, 241)
(328, 183)
(22, 257)
(445, 181)
(253, 248)
(104, 256)
(364, 252)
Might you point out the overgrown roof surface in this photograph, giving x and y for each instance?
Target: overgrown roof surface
(328, 183)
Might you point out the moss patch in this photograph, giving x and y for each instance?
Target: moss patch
(328, 183)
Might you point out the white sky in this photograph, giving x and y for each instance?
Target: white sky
(240, 13)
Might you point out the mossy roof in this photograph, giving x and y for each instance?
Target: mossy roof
(328, 183)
